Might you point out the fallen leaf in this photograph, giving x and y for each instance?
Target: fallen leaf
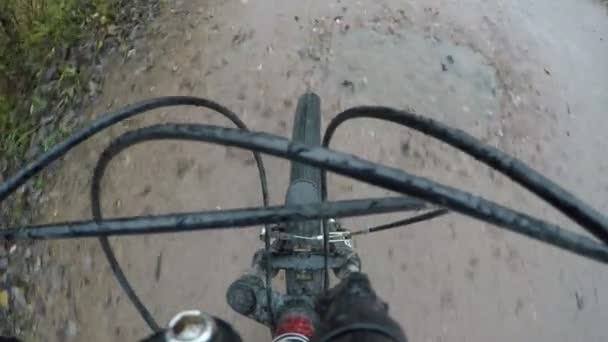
(4, 299)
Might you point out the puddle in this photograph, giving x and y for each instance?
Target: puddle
(406, 69)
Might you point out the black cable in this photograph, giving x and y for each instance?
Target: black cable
(402, 223)
(216, 219)
(104, 121)
(590, 219)
(325, 253)
(360, 327)
(122, 280)
(97, 215)
(375, 174)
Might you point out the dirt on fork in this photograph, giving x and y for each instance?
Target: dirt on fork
(520, 75)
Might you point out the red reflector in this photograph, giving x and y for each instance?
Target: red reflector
(295, 324)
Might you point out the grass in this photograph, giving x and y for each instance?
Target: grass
(37, 36)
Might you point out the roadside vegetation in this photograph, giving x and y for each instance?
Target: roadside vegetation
(39, 69)
(52, 58)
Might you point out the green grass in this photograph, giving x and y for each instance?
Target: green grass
(34, 34)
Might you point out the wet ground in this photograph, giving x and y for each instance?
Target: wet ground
(521, 75)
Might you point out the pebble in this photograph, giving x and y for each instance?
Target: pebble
(71, 329)
(37, 265)
(18, 298)
(131, 53)
(580, 301)
(68, 120)
(35, 196)
(112, 30)
(364, 81)
(93, 87)
(54, 279)
(87, 263)
(49, 74)
(45, 120)
(3, 263)
(3, 165)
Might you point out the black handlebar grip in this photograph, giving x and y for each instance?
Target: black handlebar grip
(241, 295)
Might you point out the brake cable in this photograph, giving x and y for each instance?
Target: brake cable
(402, 223)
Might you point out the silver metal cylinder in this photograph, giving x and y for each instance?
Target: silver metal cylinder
(191, 326)
(291, 337)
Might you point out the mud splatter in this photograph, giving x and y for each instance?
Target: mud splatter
(146, 190)
(446, 300)
(183, 167)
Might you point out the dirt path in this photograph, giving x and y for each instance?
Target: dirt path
(522, 75)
